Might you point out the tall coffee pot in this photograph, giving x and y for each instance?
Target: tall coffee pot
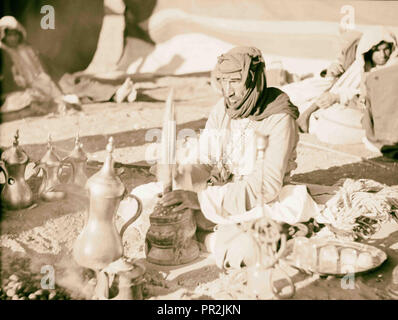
(100, 243)
(16, 193)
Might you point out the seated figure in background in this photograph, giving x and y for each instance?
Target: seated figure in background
(28, 72)
(40, 90)
(343, 103)
(306, 94)
(379, 97)
(375, 49)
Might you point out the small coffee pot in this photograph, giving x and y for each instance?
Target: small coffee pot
(16, 193)
(51, 166)
(100, 243)
(78, 160)
(121, 280)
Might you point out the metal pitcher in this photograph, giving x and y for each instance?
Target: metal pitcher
(100, 243)
(121, 280)
(78, 160)
(16, 193)
(51, 165)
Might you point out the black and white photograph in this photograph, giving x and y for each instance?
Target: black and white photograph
(221, 151)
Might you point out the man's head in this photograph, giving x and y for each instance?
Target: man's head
(12, 38)
(237, 73)
(240, 76)
(381, 53)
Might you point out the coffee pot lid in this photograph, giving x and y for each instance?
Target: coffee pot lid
(134, 268)
(50, 157)
(105, 183)
(15, 154)
(78, 153)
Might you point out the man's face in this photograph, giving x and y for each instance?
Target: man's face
(12, 38)
(381, 54)
(233, 88)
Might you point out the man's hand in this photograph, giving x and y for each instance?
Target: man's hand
(335, 70)
(327, 99)
(184, 199)
(304, 119)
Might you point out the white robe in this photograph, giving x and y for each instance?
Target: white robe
(258, 187)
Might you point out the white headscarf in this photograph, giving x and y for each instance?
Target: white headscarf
(9, 22)
(372, 38)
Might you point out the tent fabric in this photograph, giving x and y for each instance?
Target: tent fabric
(174, 29)
(187, 33)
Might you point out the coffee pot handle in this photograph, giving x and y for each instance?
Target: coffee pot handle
(101, 290)
(38, 166)
(135, 217)
(278, 293)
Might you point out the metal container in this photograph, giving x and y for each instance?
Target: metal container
(78, 160)
(16, 193)
(121, 280)
(170, 239)
(51, 165)
(100, 243)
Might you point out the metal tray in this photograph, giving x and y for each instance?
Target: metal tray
(378, 256)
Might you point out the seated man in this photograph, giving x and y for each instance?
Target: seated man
(244, 182)
(28, 72)
(38, 86)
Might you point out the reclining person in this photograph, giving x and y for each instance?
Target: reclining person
(374, 50)
(379, 97)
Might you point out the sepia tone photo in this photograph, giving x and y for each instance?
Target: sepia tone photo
(199, 150)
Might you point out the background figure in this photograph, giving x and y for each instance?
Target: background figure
(39, 90)
(379, 94)
(341, 109)
(335, 116)
(346, 57)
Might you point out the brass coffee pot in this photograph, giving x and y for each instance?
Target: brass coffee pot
(51, 165)
(121, 280)
(16, 193)
(78, 160)
(100, 243)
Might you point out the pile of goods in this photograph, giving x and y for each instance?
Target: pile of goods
(359, 208)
